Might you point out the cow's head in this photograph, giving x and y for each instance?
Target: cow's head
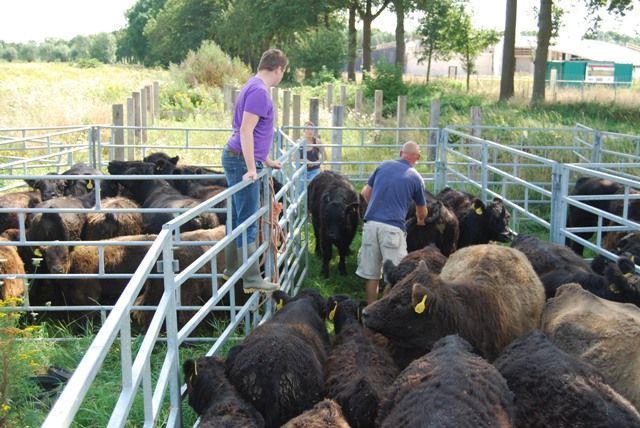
(48, 189)
(57, 257)
(496, 219)
(340, 218)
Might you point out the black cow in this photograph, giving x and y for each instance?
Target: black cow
(555, 389)
(334, 205)
(279, 366)
(547, 257)
(213, 397)
(157, 193)
(479, 223)
(431, 255)
(440, 228)
(164, 164)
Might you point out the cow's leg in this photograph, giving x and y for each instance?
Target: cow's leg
(343, 250)
(326, 257)
(318, 235)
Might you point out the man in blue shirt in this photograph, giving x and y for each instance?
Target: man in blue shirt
(389, 193)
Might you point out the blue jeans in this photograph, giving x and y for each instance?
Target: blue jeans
(311, 174)
(246, 202)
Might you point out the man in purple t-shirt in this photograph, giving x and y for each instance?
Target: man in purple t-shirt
(389, 192)
(246, 152)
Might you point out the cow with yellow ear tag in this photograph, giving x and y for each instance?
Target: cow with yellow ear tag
(487, 294)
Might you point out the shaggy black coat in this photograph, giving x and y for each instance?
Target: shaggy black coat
(478, 223)
(431, 256)
(547, 257)
(360, 365)
(156, 193)
(213, 397)
(488, 294)
(448, 387)
(334, 206)
(279, 366)
(555, 389)
(440, 228)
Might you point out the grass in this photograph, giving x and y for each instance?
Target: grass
(60, 94)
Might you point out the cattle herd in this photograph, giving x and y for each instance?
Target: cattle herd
(467, 332)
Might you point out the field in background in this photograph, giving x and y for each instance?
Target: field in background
(61, 94)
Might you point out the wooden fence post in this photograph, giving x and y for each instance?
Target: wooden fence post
(227, 94)
(314, 111)
(359, 103)
(377, 107)
(401, 117)
(117, 114)
(234, 98)
(156, 99)
(131, 121)
(286, 109)
(296, 116)
(434, 122)
(136, 117)
(554, 83)
(143, 114)
(329, 99)
(337, 121)
(149, 89)
(343, 95)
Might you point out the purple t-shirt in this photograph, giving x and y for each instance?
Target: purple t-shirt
(254, 98)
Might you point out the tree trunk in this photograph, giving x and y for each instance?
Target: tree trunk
(400, 46)
(351, 65)
(366, 43)
(542, 51)
(508, 52)
(429, 64)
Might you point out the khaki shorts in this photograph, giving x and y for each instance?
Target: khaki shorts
(380, 242)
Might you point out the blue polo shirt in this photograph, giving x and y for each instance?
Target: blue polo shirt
(395, 185)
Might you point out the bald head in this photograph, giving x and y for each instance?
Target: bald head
(410, 152)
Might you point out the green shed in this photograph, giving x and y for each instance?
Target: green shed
(575, 73)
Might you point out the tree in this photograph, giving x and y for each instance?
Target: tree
(319, 48)
(471, 42)
(80, 47)
(103, 48)
(401, 8)
(439, 28)
(133, 43)
(367, 15)
(547, 14)
(508, 52)
(352, 48)
(9, 53)
(28, 52)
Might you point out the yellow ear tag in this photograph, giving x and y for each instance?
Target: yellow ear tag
(89, 184)
(195, 368)
(633, 259)
(420, 307)
(280, 304)
(628, 275)
(479, 211)
(614, 289)
(37, 252)
(332, 314)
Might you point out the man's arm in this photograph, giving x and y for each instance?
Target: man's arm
(366, 192)
(421, 214)
(249, 122)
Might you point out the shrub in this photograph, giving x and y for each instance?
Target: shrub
(321, 52)
(210, 66)
(181, 100)
(388, 78)
(87, 63)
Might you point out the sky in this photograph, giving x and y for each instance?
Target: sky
(24, 20)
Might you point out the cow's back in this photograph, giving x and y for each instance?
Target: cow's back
(516, 287)
(605, 334)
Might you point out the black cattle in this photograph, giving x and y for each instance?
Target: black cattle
(213, 397)
(164, 164)
(11, 220)
(157, 193)
(547, 257)
(555, 389)
(440, 228)
(81, 186)
(448, 387)
(479, 223)
(431, 255)
(334, 205)
(279, 366)
(629, 245)
(325, 414)
(48, 188)
(359, 367)
(615, 281)
(590, 186)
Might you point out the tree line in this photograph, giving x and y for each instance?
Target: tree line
(318, 35)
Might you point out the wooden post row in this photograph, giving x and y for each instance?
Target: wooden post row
(117, 152)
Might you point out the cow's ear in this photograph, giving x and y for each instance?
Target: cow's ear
(627, 266)
(326, 197)
(419, 298)
(31, 183)
(280, 298)
(189, 368)
(478, 207)
(174, 160)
